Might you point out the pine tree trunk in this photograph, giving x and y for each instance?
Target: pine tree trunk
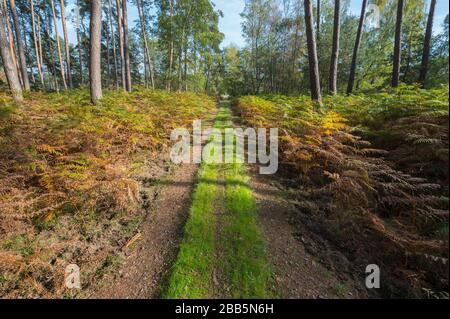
(36, 47)
(22, 59)
(146, 47)
(108, 57)
(318, 20)
(398, 45)
(113, 43)
(95, 75)
(52, 59)
(351, 80)
(80, 53)
(427, 45)
(11, 42)
(41, 58)
(58, 45)
(122, 55)
(126, 46)
(335, 48)
(312, 52)
(171, 49)
(66, 44)
(8, 62)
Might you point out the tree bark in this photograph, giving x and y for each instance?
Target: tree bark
(11, 42)
(58, 45)
(351, 80)
(41, 58)
(335, 48)
(8, 62)
(318, 20)
(122, 55)
(146, 47)
(22, 59)
(312, 53)
(398, 44)
(50, 46)
(126, 47)
(427, 45)
(95, 73)
(113, 43)
(36, 47)
(66, 44)
(80, 53)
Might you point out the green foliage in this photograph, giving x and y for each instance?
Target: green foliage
(351, 188)
(70, 175)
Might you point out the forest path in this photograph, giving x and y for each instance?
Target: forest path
(222, 254)
(152, 251)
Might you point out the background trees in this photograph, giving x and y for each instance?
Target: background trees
(175, 45)
(275, 59)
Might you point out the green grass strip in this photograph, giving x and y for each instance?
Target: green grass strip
(242, 242)
(192, 272)
(242, 259)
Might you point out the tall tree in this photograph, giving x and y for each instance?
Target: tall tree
(398, 44)
(351, 80)
(312, 52)
(318, 20)
(122, 54)
(8, 62)
(80, 53)
(427, 45)
(66, 43)
(126, 48)
(335, 48)
(147, 56)
(22, 59)
(58, 45)
(95, 73)
(36, 47)
(113, 43)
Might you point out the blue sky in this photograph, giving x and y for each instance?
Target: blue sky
(230, 24)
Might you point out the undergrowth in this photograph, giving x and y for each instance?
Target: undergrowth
(354, 192)
(71, 179)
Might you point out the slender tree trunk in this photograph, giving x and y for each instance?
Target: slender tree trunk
(427, 45)
(11, 42)
(312, 52)
(126, 46)
(108, 57)
(80, 53)
(398, 44)
(335, 48)
(122, 54)
(66, 43)
(41, 58)
(58, 45)
(113, 43)
(146, 47)
(22, 59)
(169, 73)
(318, 20)
(351, 80)
(8, 62)
(95, 73)
(55, 79)
(36, 47)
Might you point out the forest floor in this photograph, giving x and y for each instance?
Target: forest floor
(238, 241)
(93, 185)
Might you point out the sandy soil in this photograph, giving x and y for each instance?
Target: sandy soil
(155, 248)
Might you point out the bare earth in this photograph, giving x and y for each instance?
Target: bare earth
(149, 258)
(298, 274)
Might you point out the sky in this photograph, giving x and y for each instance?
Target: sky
(230, 24)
